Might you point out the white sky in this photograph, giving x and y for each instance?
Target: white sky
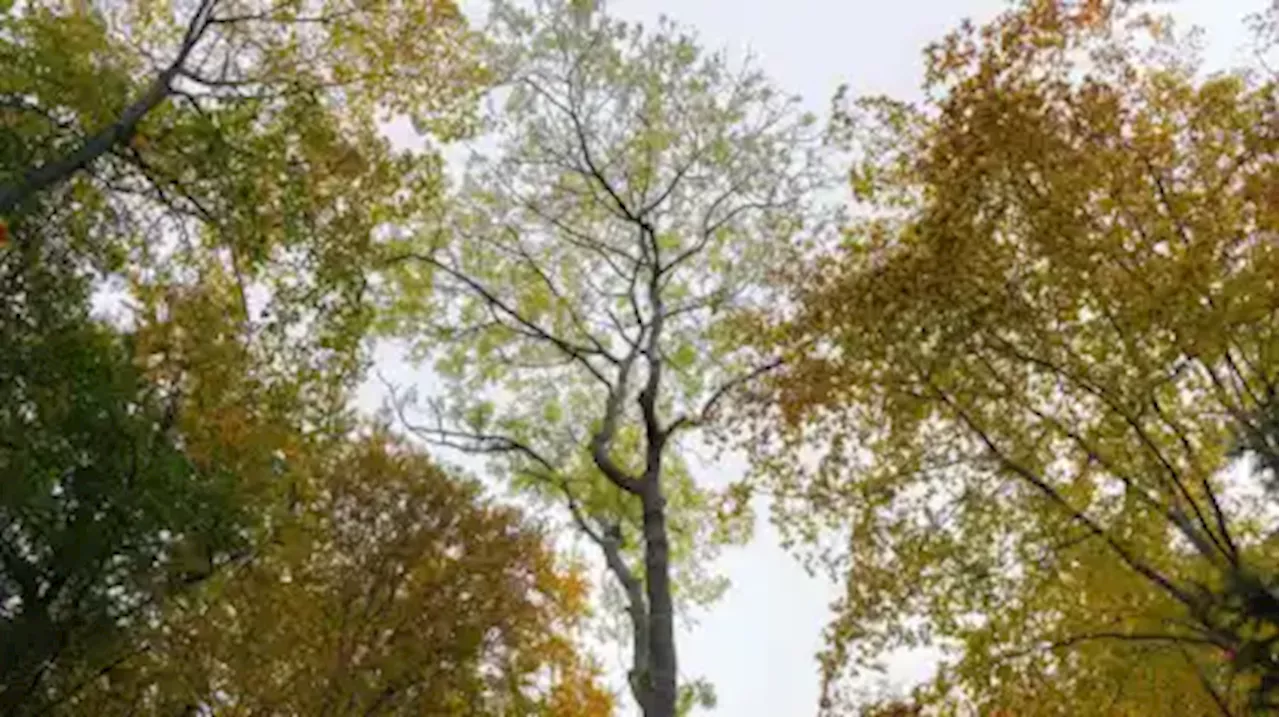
(757, 644)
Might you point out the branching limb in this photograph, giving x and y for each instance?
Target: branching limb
(1041, 485)
(709, 406)
(1218, 700)
(478, 442)
(1168, 638)
(602, 441)
(475, 442)
(582, 354)
(655, 436)
(52, 173)
(637, 610)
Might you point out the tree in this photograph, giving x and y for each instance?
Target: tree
(576, 297)
(1026, 367)
(391, 589)
(156, 144)
(215, 167)
(154, 148)
(99, 502)
(137, 466)
(92, 78)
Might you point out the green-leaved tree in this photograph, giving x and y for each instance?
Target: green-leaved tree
(576, 296)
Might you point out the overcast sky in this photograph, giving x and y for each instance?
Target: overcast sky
(757, 644)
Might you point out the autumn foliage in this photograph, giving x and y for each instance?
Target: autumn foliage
(391, 588)
(190, 518)
(1027, 366)
(1018, 398)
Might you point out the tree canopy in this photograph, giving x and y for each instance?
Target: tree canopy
(214, 173)
(97, 494)
(1023, 373)
(1003, 360)
(574, 295)
(390, 588)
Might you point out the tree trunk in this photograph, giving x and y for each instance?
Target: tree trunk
(662, 644)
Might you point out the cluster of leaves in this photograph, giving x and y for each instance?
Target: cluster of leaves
(101, 511)
(167, 139)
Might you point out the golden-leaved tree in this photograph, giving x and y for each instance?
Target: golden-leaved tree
(389, 588)
(1013, 394)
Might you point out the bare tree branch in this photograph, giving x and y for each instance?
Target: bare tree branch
(1218, 700)
(637, 610)
(709, 406)
(1178, 640)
